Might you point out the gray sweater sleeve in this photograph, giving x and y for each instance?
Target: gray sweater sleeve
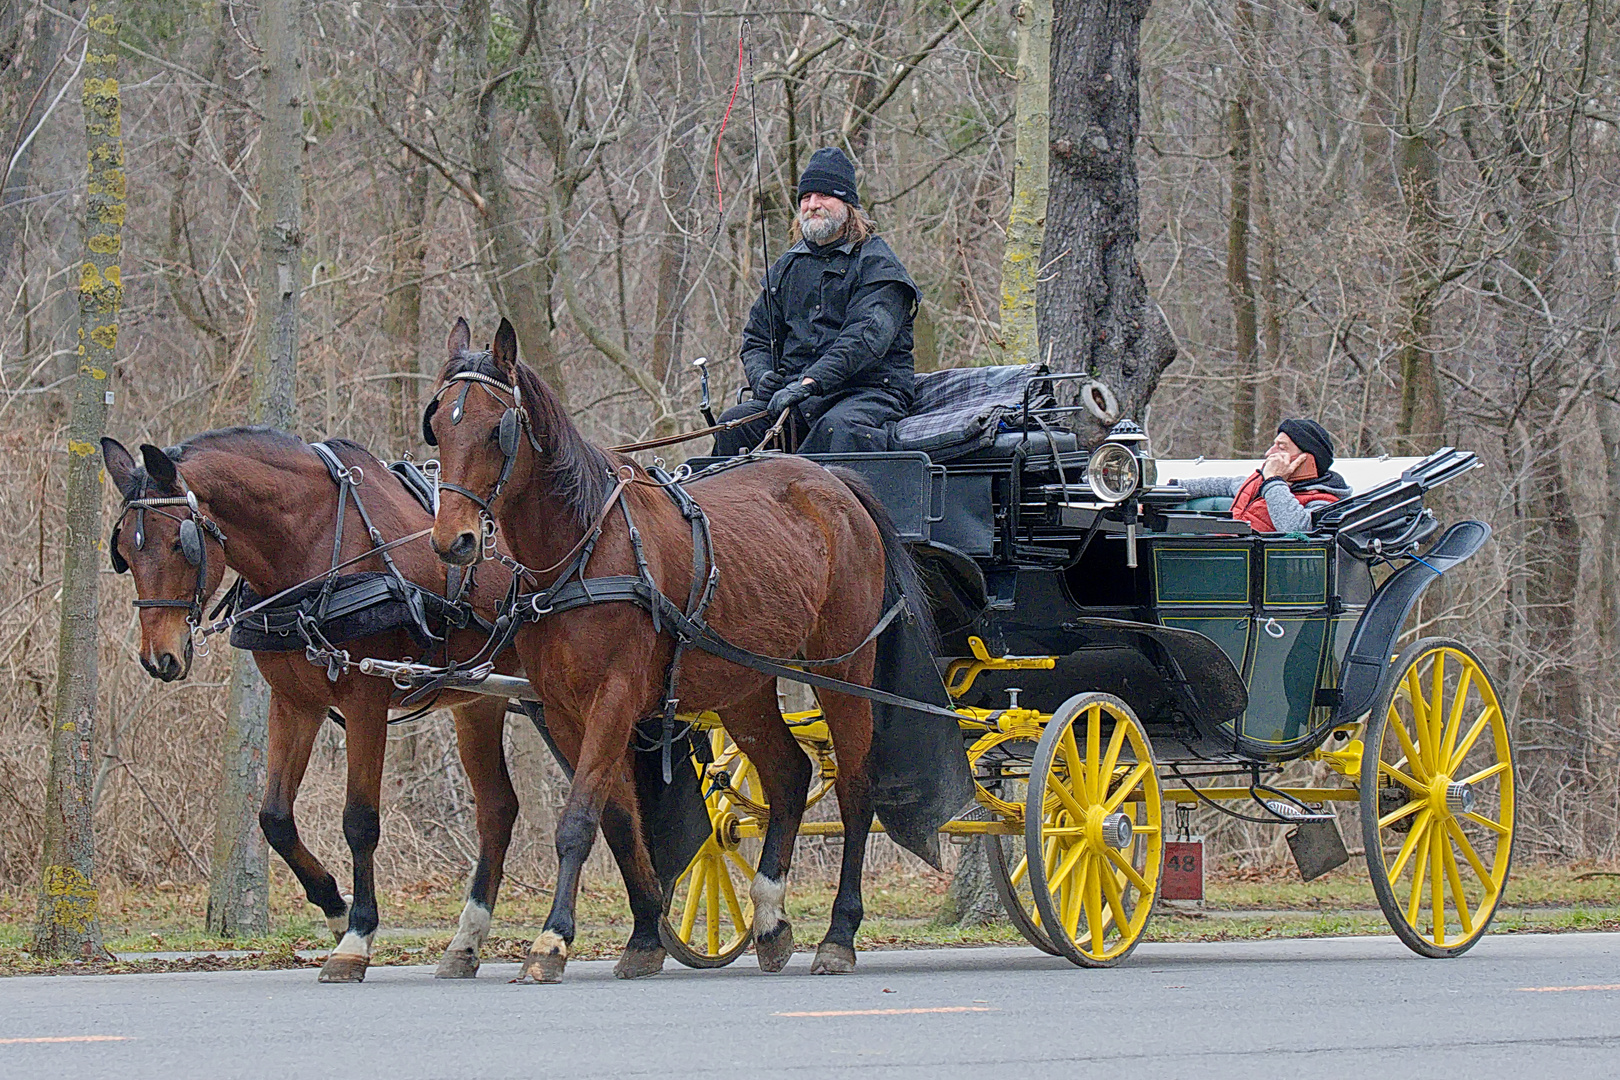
(1212, 487)
(1287, 512)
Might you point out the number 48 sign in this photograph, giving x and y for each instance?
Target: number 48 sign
(1183, 877)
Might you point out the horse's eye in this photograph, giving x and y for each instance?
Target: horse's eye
(495, 434)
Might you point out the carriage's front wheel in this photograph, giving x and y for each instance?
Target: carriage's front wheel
(1437, 797)
(708, 917)
(1093, 836)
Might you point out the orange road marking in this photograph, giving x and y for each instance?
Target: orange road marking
(892, 1012)
(67, 1039)
(1561, 989)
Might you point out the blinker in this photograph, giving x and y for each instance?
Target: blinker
(510, 430)
(118, 564)
(427, 423)
(191, 542)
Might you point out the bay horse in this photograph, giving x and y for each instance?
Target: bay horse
(802, 554)
(268, 508)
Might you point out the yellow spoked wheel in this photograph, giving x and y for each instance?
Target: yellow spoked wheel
(1093, 836)
(1437, 798)
(1009, 867)
(708, 919)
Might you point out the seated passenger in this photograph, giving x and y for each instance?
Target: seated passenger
(1296, 474)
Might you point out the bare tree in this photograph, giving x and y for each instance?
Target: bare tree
(1026, 219)
(67, 922)
(1095, 309)
(239, 884)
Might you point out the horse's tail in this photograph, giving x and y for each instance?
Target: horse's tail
(901, 566)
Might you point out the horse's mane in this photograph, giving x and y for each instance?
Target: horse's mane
(574, 470)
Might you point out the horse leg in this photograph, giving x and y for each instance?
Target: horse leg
(480, 731)
(849, 720)
(601, 765)
(644, 953)
(368, 739)
(756, 725)
(292, 732)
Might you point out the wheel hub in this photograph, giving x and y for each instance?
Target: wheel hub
(1450, 798)
(1459, 797)
(1117, 830)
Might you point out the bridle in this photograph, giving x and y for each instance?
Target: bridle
(514, 425)
(193, 527)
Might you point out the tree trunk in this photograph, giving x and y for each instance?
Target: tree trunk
(1026, 218)
(1239, 285)
(67, 923)
(238, 888)
(1420, 63)
(27, 76)
(517, 275)
(1095, 309)
(678, 188)
(402, 311)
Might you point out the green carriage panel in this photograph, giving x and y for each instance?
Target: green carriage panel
(1296, 576)
(1284, 677)
(1201, 575)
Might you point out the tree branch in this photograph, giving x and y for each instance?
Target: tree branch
(444, 170)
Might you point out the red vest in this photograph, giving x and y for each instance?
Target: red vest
(1248, 505)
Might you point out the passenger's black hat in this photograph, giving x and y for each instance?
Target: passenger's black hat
(1312, 438)
(830, 173)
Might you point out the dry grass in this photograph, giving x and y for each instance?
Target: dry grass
(902, 906)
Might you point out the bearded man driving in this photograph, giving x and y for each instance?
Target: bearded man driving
(829, 338)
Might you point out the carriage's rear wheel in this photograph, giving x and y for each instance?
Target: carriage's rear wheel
(708, 917)
(1437, 798)
(1093, 837)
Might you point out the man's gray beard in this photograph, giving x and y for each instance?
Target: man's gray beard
(819, 230)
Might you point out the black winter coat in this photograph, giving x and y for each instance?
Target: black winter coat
(843, 317)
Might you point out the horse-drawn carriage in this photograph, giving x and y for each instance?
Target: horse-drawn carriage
(1111, 646)
(1101, 646)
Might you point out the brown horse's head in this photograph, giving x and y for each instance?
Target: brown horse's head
(176, 565)
(499, 430)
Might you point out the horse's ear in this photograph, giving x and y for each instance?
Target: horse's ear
(505, 348)
(120, 466)
(460, 338)
(159, 466)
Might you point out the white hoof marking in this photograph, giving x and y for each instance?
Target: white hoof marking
(473, 929)
(768, 897)
(549, 941)
(354, 945)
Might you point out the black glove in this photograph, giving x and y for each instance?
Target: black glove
(789, 396)
(769, 383)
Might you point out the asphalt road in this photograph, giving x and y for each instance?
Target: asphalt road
(1530, 1006)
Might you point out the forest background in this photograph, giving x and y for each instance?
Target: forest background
(1396, 216)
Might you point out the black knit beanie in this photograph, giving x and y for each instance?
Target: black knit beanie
(1313, 439)
(830, 173)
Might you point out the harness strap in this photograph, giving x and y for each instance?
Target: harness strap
(629, 589)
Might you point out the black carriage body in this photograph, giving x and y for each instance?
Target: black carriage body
(1229, 644)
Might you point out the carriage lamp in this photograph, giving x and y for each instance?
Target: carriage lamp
(1112, 472)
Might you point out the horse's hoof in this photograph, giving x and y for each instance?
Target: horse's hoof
(639, 963)
(774, 949)
(344, 968)
(546, 960)
(457, 964)
(542, 968)
(833, 959)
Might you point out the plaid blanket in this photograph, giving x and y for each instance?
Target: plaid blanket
(961, 409)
